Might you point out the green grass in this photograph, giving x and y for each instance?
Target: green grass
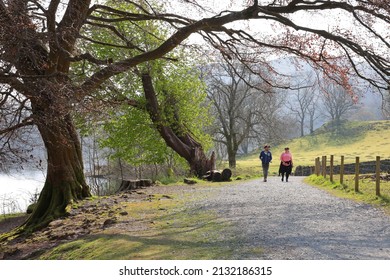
(365, 194)
(364, 139)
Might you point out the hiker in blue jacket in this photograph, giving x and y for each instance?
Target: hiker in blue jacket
(266, 158)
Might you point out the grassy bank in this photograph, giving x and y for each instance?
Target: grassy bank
(364, 139)
(366, 192)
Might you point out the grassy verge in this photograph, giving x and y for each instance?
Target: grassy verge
(366, 192)
(160, 227)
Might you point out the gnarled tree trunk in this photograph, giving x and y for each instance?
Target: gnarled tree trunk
(65, 182)
(181, 142)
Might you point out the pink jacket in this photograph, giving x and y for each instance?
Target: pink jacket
(286, 157)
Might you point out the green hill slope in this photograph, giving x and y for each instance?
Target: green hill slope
(364, 139)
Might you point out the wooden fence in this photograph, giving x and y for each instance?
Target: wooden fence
(320, 168)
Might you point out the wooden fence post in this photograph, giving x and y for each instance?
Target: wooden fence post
(342, 170)
(317, 166)
(324, 166)
(357, 175)
(331, 168)
(377, 175)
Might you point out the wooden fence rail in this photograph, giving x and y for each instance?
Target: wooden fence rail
(320, 168)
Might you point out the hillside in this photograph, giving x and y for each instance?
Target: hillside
(364, 139)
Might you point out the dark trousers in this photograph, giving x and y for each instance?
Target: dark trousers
(285, 170)
(265, 169)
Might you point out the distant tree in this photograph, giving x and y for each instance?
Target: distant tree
(338, 103)
(302, 101)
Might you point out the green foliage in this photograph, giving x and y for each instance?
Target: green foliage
(134, 137)
(182, 97)
(128, 130)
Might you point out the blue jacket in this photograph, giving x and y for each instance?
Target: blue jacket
(265, 157)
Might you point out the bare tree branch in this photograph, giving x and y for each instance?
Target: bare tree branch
(26, 122)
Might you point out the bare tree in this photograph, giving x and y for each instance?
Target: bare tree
(40, 41)
(274, 126)
(237, 105)
(302, 104)
(299, 107)
(337, 103)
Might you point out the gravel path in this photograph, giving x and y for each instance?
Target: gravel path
(296, 221)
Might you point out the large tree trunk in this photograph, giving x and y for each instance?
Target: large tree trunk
(200, 163)
(232, 157)
(65, 182)
(232, 147)
(181, 142)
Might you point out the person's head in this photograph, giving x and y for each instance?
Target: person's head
(287, 150)
(266, 147)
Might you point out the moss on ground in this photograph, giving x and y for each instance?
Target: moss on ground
(158, 227)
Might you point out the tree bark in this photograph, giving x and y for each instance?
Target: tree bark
(232, 158)
(65, 181)
(175, 135)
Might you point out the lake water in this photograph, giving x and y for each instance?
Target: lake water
(17, 190)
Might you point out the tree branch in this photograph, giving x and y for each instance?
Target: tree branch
(51, 16)
(167, 46)
(166, 132)
(14, 82)
(26, 122)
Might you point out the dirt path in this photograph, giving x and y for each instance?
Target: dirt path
(296, 221)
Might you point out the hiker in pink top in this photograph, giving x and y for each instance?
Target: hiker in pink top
(286, 164)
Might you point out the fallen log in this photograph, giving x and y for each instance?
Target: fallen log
(218, 176)
(226, 174)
